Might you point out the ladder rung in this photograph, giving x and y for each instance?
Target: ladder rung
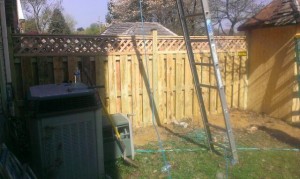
(208, 86)
(193, 15)
(216, 127)
(204, 64)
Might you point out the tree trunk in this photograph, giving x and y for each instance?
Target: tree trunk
(231, 30)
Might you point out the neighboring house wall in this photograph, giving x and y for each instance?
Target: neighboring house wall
(271, 72)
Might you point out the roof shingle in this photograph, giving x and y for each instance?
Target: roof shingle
(277, 13)
(135, 28)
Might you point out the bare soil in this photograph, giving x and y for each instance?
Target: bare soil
(242, 122)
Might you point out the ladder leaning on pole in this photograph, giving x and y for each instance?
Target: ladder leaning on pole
(198, 86)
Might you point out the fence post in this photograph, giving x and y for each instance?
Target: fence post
(155, 72)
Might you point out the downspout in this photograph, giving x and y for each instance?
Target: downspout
(6, 67)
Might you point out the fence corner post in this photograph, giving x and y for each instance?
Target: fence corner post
(154, 40)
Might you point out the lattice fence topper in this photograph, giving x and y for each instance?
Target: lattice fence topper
(62, 45)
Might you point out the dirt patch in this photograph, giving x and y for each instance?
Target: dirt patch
(242, 121)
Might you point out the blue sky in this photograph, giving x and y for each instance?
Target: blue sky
(86, 12)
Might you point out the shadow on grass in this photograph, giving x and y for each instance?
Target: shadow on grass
(111, 169)
(188, 139)
(281, 136)
(193, 141)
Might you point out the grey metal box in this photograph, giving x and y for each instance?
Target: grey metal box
(112, 149)
(67, 139)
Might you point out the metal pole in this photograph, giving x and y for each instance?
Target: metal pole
(6, 67)
(5, 42)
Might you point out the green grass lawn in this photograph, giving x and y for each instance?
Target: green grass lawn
(189, 159)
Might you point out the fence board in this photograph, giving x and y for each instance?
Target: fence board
(112, 84)
(135, 92)
(243, 81)
(26, 74)
(188, 95)
(206, 80)
(107, 81)
(229, 78)
(125, 81)
(42, 65)
(222, 69)
(236, 81)
(161, 88)
(72, 66)
(170, 85)
(212, 92)
(86, 70)
(179, 81)
(118, 86)
(58, 70)
(195, 106)
(100, 75)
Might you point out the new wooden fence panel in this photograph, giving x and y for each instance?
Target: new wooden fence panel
(123, 70)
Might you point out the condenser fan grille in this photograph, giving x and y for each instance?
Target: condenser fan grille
(66, 104)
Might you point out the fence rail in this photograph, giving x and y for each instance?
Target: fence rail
(122, 66)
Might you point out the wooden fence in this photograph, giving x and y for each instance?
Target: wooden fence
(124, 65)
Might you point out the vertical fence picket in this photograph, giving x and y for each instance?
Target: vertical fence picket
(112, 82)
(236, 81)
(188, 88)
(58, 70)
(27, 75)
(72, 66)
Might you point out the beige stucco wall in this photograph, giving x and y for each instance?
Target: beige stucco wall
(271, 70)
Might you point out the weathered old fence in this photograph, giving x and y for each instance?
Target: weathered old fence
(122, 65)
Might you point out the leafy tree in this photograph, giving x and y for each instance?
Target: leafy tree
(123, 10)
(232, 13)
(71, 22)
(58, 24)
(30, 26)
(94, 29)
(80, 29)
(162, 11)
(226, 14)
(40, 12)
